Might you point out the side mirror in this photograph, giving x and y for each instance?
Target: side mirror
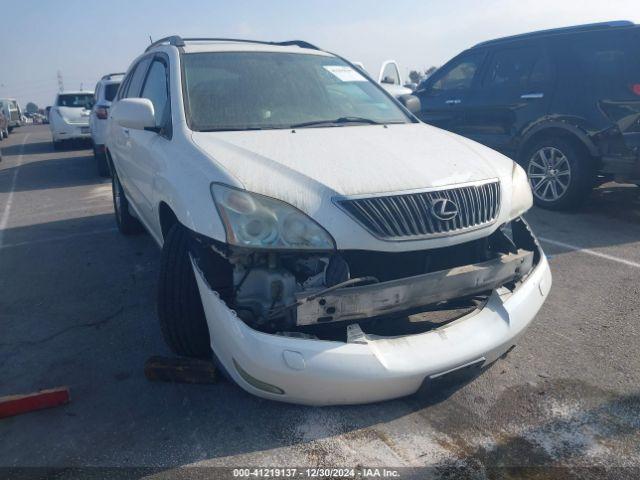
(136, 113)
(410, 102)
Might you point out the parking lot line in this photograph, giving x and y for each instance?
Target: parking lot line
(57, 239)
(7, 208)
(589, 252)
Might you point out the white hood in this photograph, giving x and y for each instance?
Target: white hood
(314, 164)
(79, 115)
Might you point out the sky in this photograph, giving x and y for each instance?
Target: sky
(84, 39)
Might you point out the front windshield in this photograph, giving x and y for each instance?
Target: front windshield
(75, 100)
(256, 90)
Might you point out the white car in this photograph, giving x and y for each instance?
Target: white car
(390, 78)
(69, 117)
(105, 92)
(318, 241)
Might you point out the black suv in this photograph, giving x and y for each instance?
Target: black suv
(564, 103)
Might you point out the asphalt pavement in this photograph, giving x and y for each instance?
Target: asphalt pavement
(77, 308)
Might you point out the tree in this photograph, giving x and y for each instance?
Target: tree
(31, 108)
(415, 76)
(429, 71)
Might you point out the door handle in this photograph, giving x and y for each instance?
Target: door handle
(528, 96)
(125, 131)
(453, 101)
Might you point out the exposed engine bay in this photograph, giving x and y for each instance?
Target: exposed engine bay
(318, 295)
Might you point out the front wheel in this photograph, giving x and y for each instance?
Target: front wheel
(182, 319)
(560, 174)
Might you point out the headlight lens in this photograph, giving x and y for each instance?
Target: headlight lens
(253, 220)
(521, 196)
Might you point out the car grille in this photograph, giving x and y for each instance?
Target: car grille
(416, 215)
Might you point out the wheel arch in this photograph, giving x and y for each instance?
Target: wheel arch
(557, 130)
(167, 218)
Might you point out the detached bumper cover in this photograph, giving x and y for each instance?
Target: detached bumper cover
(318, 372)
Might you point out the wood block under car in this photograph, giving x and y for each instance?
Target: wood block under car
(180, 369)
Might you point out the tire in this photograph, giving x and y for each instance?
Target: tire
(57, 145)
(180, 311)
(127, 223)
(101, 163)
(560, 172)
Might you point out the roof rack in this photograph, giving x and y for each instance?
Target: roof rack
(109, 76)
(576, 28)
(177, 41)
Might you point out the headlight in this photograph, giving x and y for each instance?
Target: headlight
(521, 196)
(253, 220)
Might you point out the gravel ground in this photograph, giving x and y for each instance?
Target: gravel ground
(77, 308)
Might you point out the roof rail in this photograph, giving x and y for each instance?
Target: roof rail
(576, 28)
(174, 40)
(109, 76)
(298, 43)
(178, 41)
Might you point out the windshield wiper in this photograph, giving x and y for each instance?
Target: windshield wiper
(336, 122)
(231, 129)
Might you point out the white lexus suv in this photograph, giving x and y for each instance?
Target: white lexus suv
(319, 243)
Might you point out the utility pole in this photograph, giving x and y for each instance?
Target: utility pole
(60, 82)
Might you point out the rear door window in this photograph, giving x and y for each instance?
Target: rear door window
(517, 69)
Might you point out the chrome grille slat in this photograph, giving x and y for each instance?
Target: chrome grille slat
(418, 214)
(411, 215)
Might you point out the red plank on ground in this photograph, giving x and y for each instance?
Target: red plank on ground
(17, 404)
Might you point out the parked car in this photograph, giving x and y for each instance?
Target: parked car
(389, 77)
(11, 109)
(322, 244)
(4, 126)
(564, 103)
(105, 92)
(69, 117)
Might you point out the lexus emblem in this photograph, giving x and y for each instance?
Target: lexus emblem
(444, 209)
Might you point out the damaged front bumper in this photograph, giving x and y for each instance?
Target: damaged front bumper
(403, 294)
(369, 368)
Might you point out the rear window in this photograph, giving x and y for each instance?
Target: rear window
(609, 61)
(75, 100)
(110, 91)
